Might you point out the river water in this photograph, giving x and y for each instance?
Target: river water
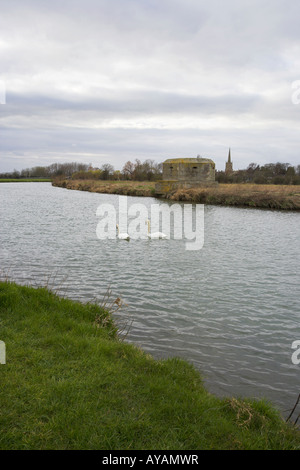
(232, 308)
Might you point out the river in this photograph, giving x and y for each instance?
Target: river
(231, 308)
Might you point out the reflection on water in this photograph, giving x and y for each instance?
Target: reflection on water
(231, 308)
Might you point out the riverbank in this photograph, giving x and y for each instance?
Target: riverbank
(127, 188)
(279, 197)
(70, 383)
(25, 180)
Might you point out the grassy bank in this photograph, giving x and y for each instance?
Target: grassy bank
(239, 195)
(25, 180)
(269, 196)
(70, 383)
(128, 188)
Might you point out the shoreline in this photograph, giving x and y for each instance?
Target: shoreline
(85, 388)
(25, 180)
(272, 197)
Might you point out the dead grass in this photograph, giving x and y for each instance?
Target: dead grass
(128, 188)
(280, 197)
(249, 195)
(244, 412)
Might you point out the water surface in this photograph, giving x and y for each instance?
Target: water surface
(232, 308)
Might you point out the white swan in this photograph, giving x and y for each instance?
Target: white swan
(155, 235)
(122, 236)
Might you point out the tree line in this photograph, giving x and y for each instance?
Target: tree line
(271, 173)
(149, 170)
(51, 171)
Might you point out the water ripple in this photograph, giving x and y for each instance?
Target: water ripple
(232, 308)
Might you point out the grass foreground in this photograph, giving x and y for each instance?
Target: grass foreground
(69, 382)
(268, 196)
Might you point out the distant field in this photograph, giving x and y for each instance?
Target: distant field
(26, 180)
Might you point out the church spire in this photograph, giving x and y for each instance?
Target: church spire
(228, 167)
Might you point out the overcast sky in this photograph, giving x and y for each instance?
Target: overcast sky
(100, 81)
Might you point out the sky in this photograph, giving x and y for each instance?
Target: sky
(107, 81)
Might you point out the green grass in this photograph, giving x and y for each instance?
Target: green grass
(69, 384)
(25, 180)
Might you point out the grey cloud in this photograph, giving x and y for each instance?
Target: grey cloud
(132, 103)
(74, 64)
